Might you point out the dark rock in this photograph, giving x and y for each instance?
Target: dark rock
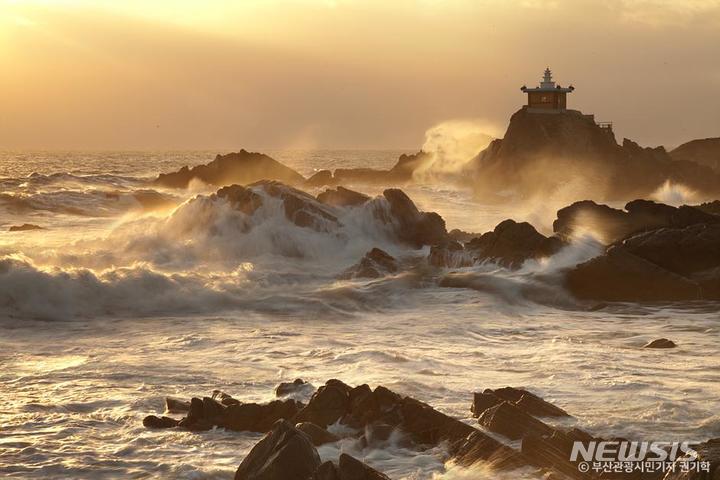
(712, 208)
(151, 200)
(461, 236)
(529, 402)
(284, 453)
(449, 254)
(326, 471)
(318, 436)
(414, 227)
(241, 168)
(482, 401)
(286, 388)
(550, 452)
(320, 178)
(613, 225)
(301, 208)
(704, 151)
(684, 251)
(478, 447)
(350, 468)
(224, 398)
(241, 198)
(401, 172)
(661, 343)
(342, 197)
(621, 276)
(541, 153)
(376, 263)
(173, 405)
(25, 227)
(328, 405)
(512, 243)
(509, 420)
(427, 426)
(706, 452)
(255, 417)
(152, 421)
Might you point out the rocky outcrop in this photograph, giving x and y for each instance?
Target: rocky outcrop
(375, 264)
(300, 208)
(318, 435)
(241, 198)
(25, 227)
(400, 173)
(661, 343)
(612, 224)
(241, 168)
(412, 226)
(285, 453)
(511, 243)
(544, 151)
(621, 276)
(320, 179)
(526, 401)
(704, 151)
(289, 388)
(342, 197)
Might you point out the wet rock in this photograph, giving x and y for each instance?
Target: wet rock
(151, 200)
(511, 243)
(342, 197)
(621, 276)
(552, 452)
(254, 417)
(326, 471)
(660, 343)
(318, 436)
(241, 168)
(427, 426)
(328, 405)
(301, 208)
(25, 227)
(375, 264)
(450, 254)
(479, 447)
(529, 402)
(412, 226)
(285, 453)
(350, 468)
(320, 178)
(401, 172)
(224, 398)
(173, 405)
(152, 421)
(461, 236)
(287, 388)
(241, 198)
(509, 420)
(614, 225)
(684, 251)
(706, 452)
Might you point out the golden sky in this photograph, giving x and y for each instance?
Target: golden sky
(213, 74)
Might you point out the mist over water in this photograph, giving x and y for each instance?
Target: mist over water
(133, 293)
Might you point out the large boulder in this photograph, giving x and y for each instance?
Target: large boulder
(328, 405)
(612, 224)
(318, 435)
(376, 263)
(300, 208)
(285, 453)
(511, 421)
(521, 398)
(25, 227)
(512, 243)
(619, 275)
(342, 197)
(412, 226)
(240, 198)
(242, 168)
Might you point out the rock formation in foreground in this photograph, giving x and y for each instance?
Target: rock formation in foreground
(372, 416)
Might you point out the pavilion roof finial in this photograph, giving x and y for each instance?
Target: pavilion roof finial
(547, 81)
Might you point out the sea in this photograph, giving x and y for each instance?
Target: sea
(131, 292)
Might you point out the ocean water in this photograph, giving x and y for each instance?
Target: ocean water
(132, 293)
